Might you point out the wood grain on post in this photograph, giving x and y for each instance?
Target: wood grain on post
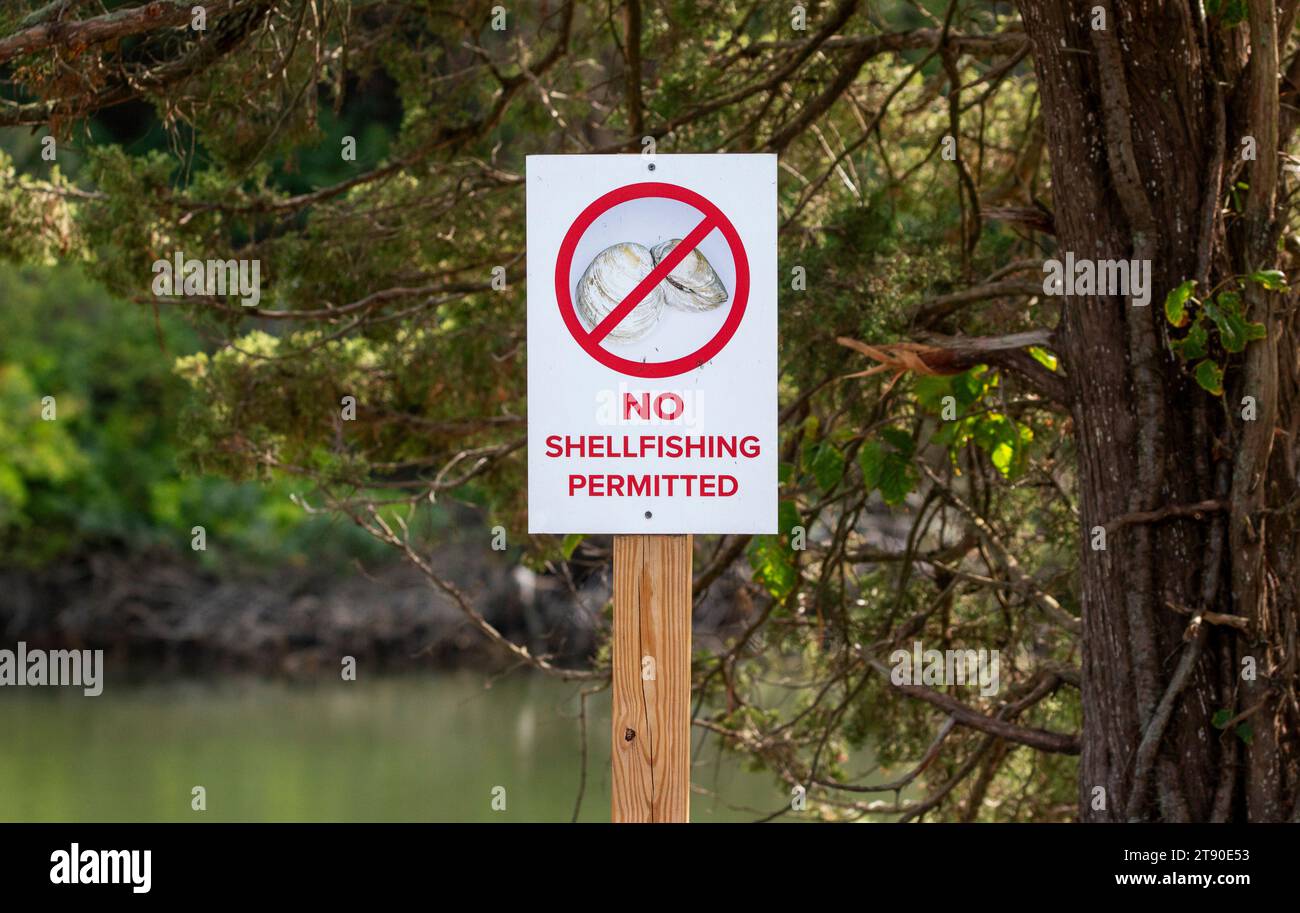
(652, 679)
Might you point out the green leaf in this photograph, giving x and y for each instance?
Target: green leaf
(1234, 12)
(1220, 718)
(1210, 376)
(785, 472)
(1003, 440)
(1013, 462)
(871, 457)
(1176, 303)
(570, 543)
(966, 388)
(827, 465)
(897, 479)
(970, 386)
(888, 470)
(993, 429)
(1195, 344)
(1226, 302)
(1255, 331)
(1272, 279)
(773, 566)
(787, 517)
(948, 433)
(930, 391)
(1234, 330)
(900, 440)
(1043, 357)
(1245, 733)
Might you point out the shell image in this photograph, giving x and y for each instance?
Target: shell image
(608, 279)
(692, 285)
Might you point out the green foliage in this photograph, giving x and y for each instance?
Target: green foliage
(1004, 440)
(1272, 279)
(1234, 330)
(887, 465)
(1229, 13)
(1210, 376)
(36, 456)
(1216, 326)
(1242, 730)
(1176, 303)
(787, 517)
(1043, 357)
(38, 226)
(773, 565)
(104, 470)
(1195, 344)
(827, 465)
(772, 559)
(570, 543)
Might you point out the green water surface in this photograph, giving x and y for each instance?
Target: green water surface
(412, 748)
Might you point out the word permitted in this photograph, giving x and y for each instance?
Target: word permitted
(668, 407)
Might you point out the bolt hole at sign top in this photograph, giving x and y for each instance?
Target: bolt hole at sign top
(651, 166)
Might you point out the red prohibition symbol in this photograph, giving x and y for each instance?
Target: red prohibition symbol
(590, 339)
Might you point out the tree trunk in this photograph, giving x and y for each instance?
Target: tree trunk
(1144, 119)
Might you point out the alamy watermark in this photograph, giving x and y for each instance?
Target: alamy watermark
(946, 667)
(77, 866)
(625, 406)
(59, 668)
(179, 277)
(1131, 278)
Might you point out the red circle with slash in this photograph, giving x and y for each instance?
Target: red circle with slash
(590, 339)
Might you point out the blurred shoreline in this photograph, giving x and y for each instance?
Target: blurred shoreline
(159, 614)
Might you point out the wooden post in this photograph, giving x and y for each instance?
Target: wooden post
(652, 679)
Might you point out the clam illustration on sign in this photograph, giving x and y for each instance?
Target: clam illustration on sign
(692, 285)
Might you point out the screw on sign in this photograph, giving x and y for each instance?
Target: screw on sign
(713, 218)
(699, 412)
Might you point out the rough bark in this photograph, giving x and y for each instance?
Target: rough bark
(1138, 115)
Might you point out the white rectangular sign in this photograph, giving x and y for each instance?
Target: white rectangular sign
(652, 344)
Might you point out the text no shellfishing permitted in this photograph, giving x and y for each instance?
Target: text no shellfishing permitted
(693, 448)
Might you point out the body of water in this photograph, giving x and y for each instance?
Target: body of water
(411, 748)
